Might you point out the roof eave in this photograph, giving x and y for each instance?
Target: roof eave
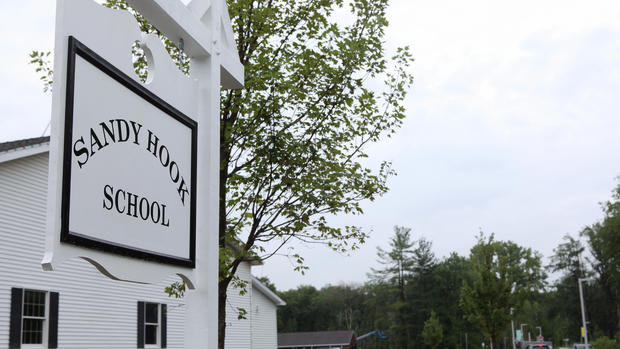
(267, 292)
(23, 152)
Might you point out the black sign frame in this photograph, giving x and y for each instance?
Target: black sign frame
(78, 239)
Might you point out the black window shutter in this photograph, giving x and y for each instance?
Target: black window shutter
(15, 327)
(52, 341)
(164, 326)
(140, 324)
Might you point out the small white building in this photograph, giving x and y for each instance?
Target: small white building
(77, 307)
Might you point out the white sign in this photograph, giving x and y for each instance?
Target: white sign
(129, 168)
(125, 181)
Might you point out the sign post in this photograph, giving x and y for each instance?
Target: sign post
(134, 167)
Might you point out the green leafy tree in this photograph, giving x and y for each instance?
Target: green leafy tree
(267, 282)
(501, 282)
(330, 308)
(301, 312)
(433, 331)
(293, 138)
(568, 258)
(563, 304)
(604, 242)
(605, 343)
(41, 61)
(444, 291)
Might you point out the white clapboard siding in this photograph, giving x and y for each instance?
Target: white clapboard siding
(238, 331)
(264, 321)
(94, 311)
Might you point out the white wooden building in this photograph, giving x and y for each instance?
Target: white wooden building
(77, 307)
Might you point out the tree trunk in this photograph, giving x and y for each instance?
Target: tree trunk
(223, 280)
(221, 317)
(401, 311)
(617, 314)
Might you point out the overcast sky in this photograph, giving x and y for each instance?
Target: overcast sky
(512, 126)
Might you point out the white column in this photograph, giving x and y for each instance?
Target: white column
(202, 304)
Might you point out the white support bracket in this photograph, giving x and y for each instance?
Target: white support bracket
(177, 21)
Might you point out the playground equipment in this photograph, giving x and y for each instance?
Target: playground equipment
(379, 334)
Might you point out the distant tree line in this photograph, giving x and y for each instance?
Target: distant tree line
(458, 302)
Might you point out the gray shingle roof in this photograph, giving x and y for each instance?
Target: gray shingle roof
(300, 339)
(23, 143)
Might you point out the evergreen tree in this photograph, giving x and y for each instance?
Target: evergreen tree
(419, 290)
(433, 331)
(424, 259)
(398, 265)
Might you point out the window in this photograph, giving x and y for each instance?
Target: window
(34, 319)
(151, 325)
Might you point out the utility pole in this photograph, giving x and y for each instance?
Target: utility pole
(583, 310)
(539, 331)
